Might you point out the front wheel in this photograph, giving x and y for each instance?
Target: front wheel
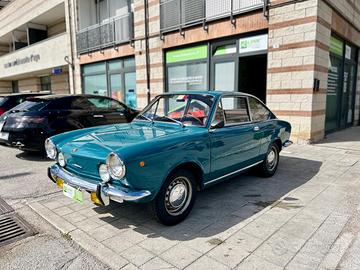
(176, 198)
(269, 166)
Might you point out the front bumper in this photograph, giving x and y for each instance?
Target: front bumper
(103, 191)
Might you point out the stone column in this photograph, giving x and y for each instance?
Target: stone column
(299, 37)
(156, 56)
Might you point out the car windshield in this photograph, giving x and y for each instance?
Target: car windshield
(31, 105)
(186, 110)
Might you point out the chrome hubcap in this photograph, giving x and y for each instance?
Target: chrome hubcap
(178, 196)
(272, 159)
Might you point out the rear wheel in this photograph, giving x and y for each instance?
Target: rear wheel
(269, 166)
(176, 198)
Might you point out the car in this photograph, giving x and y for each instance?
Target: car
(179, 144)
(11, 100)
(29, 124)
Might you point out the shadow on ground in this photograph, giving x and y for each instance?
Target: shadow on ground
(32, 156)
(222, 206)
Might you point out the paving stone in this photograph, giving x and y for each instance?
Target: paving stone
(74, 217)
(102, 252)
(157, 245)
(156, 264)
(62, 211)
(104, 232)
(130, 266)
(206, 263)
(181, 255)
(117, 243)
(137, 255)
(256, 263)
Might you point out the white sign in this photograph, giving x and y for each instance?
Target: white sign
(348, 52)
(253, 44)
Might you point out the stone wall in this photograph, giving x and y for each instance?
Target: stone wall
(60, 83)
(298, 53)
(5, 87)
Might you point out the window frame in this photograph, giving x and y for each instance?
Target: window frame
(224, 115)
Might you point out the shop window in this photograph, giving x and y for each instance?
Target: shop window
(190, 76)
(45, 83)
(115, 78)
(225, 49)
(15, 86)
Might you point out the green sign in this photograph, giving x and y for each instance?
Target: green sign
(187, 54)
(336, 46)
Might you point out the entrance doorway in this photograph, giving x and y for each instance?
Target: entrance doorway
(252, 75)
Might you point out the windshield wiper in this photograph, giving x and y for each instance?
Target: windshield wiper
(174, 120)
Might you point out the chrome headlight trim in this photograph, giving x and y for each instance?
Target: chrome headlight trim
(61, 159)
(50, 149)
(104, 173)
(115, 166)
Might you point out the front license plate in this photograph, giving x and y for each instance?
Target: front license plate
(4, 136)
(73, 193)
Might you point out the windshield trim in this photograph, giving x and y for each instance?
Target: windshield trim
(157, 98)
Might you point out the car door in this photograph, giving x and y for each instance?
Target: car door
(107, 111)
(264, 121)
(233, 144)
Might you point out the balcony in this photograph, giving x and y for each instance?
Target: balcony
(115, 31)
(178, 14)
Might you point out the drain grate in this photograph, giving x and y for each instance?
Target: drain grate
(13, 228)
(5, 208)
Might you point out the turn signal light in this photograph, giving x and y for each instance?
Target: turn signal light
(60, 183)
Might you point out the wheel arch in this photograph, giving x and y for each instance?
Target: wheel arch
(194, 168)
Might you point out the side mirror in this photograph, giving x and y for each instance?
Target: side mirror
(219, 124)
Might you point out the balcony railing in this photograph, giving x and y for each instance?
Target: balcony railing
(177, 14)
(116, 31)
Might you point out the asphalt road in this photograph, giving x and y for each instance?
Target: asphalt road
(22, 179)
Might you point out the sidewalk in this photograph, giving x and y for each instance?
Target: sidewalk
(305, 217)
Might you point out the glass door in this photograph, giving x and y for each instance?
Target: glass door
(224, 75)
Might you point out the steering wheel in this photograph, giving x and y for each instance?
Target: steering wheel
(193, 117)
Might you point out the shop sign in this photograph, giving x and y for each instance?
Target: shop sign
(191, 80)
(187, 54)
(253, 44)
(336, 46)
(21, 61)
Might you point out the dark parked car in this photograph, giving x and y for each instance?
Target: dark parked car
(10, 101)
(27, 125)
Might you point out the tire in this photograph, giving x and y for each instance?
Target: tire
(271, 161)
(176, 198)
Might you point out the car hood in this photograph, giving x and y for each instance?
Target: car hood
(98, 142)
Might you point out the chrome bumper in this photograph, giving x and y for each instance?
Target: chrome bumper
(287, 143)
(103, 191)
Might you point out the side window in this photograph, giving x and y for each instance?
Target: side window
(100, 103)
(258, 111)
(116, 106)
(219, 115)
(79, 103)
(235, 110)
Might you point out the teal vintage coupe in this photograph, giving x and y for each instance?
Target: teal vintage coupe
(179, 144)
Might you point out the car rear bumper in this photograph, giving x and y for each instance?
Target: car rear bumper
(103, 191)
(25, 141)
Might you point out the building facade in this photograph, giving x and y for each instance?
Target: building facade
(35, 46)
(301, 57)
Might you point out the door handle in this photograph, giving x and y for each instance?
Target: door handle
(256, 128)
(98, 116)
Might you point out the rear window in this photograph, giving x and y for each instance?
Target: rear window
(32, 105)
(2, 100)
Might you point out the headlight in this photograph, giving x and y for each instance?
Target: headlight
(50, 148)
(115, 166)
(61, 159)
(104, 173)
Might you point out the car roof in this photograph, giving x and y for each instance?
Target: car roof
(22, 94)
(215, 93)
(59, 96)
